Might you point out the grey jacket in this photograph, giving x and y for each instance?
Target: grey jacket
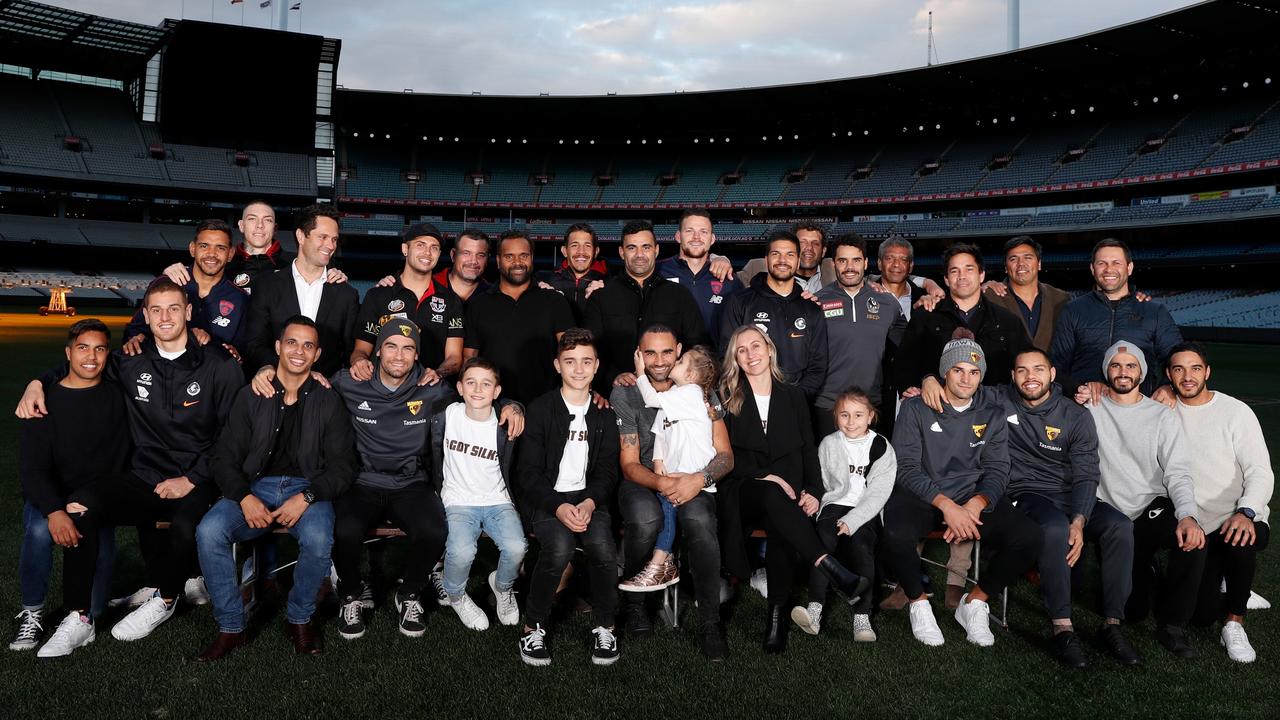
(1053, 451)
(956, 454)
(835, 477)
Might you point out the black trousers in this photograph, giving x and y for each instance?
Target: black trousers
(1011, 541)
(170, 555)
(641, 521)
(1153, 530)
(415, 509)
(556, 545)
(1236, 565)
(764, 505)
(857, 552)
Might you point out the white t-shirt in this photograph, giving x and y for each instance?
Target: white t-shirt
(472, 473)
(859, 453)
(681, 429)
(573, 464)
(171, 355)
(762, 404)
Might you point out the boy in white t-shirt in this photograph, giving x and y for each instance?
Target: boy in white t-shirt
(472, 459)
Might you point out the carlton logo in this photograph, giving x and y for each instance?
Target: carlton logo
(414, 406)
(978, 430)
(1052, 432)
(800, 325)
(193, 389)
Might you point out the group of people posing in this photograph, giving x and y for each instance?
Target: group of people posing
(798, 419)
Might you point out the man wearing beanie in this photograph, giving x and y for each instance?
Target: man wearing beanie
(1145, 462)
(953, 467)
(417, 296)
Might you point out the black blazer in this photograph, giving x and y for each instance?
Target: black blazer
(275, 300)
(788, 452)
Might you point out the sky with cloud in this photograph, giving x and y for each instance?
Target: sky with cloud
(573, 47)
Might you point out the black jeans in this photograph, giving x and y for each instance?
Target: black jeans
(1011, 541)
(1236, 565)
(1153, 530)
(170, 555)
(415, 509)
(641, 520)
(857, 552)
(556, 545)
(764, 505)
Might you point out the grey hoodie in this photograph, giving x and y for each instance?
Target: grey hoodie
(957, 454)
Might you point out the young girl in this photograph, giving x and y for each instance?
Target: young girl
(858, 471)
(682, 444)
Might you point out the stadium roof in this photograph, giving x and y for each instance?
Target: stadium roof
(1206, 48)
(44, 37)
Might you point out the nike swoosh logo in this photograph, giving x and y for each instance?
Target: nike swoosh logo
(797, 335)
(189, 403)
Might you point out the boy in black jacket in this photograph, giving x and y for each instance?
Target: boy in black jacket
(282, 459)
(568, 469)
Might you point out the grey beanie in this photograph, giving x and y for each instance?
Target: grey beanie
(963, 350)
(1124, 346)
(399, 326)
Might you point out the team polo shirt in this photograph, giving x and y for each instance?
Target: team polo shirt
(519, 337)
(438, 314)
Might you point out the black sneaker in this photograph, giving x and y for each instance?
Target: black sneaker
(366, 595)
(1069, 651)
(413, 621)
(351, 618)
(1174, 639)
(1119, 647)
(604, 649)
(712, 643)
(533, 647)
(437, 584)
(636, 620)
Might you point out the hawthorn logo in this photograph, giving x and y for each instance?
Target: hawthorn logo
(978, 430)
(405, 330)
(975, 358)
(1052, 432)
(414, 406)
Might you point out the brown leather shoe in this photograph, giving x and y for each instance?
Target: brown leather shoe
(895, 601)
(954, 593)
(306, 638)
(222, 646)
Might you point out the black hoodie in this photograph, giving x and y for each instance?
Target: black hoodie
(795, 325)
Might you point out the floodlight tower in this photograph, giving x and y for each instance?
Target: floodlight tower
(282, 14)
(1013, 25)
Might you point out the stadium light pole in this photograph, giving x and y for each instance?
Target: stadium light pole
(1013, 24)
(282, 14)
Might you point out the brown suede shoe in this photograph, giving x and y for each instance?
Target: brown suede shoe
(306, 638)
(954, 593)
(222, 646)
(895, 601)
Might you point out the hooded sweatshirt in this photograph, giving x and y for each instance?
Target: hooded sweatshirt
(1053, 451)
(957, 454)
(795, 325)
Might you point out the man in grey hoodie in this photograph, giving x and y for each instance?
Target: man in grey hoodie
(1146, 475)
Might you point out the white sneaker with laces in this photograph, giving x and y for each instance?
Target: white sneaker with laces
(75, 631)
(923, 625)
(1237, 644)
(195, 592)
(975, 618)
(760, 582)
(1257, 602)
(29, 629)
(862, 630)
(437, 584)
(508, 609)
(134, 599)
(808, 618)
(469, 613)
(139, 623)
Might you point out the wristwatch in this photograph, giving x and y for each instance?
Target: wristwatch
(308, 496)
(708, 480)
(1247, 512)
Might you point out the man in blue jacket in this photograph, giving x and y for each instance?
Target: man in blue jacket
(693, 266)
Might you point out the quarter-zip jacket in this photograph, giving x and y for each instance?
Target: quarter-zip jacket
(573, 288)
(862, 333)
(957, 454)
(546, 427)
(794, 324)
(223, 313)
(244, 269)
(1091, 323)
(1053, 451)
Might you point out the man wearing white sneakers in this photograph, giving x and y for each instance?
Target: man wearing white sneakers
(1231, 471)
(953, 467)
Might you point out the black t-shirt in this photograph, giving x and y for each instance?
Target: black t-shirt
(284, 456)
(438, 313)
(519, 337)
(84, 439)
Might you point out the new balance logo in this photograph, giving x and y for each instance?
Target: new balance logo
(364, 406)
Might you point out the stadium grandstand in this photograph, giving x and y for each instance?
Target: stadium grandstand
(1163, 132)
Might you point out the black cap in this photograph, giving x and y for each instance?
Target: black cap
(423, 229)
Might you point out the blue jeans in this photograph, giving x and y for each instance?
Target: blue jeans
(667, 535)
(224, 525)
(502, 524)
(35, 562)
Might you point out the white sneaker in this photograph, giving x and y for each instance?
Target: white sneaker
(975, 618)
(1257, 602)
(437, 584)
(809, 618)
(134, 600)
(760, 582)
(469, 613)
(726, 590)
(508, 609)
(195, 592)
(29, 629)
(139, 623)
(862, 630)
(923, 625)
(75, 631)
(1237, 644)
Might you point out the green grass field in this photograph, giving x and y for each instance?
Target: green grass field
(457, 673)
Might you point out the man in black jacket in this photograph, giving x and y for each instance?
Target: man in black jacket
(632, 301)
(774, 303)
(280, 460)
(300, 289)
(581, 273)
(568, 469)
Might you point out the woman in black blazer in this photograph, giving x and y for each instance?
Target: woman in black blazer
(776, 482)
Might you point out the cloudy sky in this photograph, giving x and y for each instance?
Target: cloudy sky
(573, 47)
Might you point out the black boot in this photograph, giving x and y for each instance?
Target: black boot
(775, 630)
(847, 583)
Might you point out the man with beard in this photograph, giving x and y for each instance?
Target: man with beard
(864, 327)
(1038, 304)
(1091, 323)
(1231, 471)
(581, 273)
(693, 267)
(812, 271)
(469, 256)
(1053, 478)
(633, 300)
(1145, 460)
(774, 303)
(515, 325)
(420, 298)
(218, 306)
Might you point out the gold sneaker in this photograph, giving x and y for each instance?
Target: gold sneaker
(653, 577)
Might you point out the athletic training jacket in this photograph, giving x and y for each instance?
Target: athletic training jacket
(1053, 451)
(795, 325)
(958, 454)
